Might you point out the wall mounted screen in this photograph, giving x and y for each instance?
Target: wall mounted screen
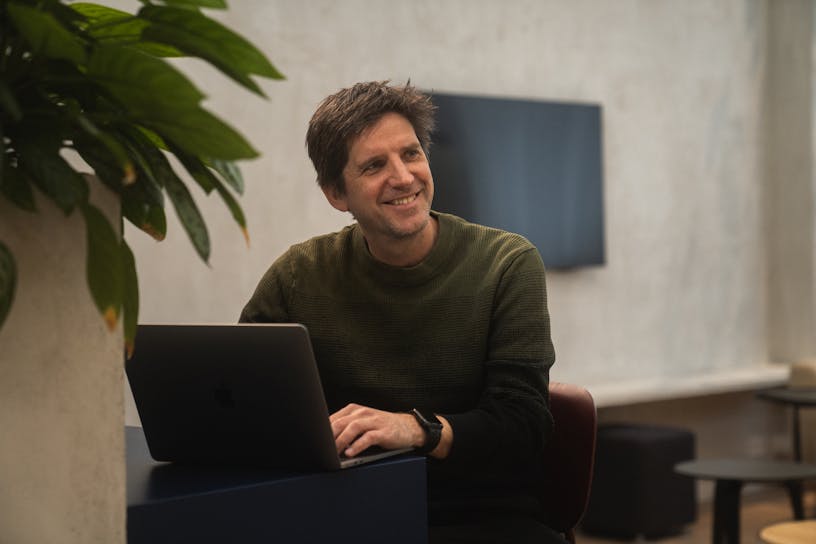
(530, 167)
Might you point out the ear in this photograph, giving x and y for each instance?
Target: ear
(335, 198)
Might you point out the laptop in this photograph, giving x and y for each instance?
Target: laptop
(238, 394)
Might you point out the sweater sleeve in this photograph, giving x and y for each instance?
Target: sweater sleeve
(511, 422)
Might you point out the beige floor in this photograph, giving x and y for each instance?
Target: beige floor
(760, 507)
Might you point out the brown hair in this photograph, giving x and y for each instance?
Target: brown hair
(344, 115)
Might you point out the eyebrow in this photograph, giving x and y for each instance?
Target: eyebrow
(379, 156)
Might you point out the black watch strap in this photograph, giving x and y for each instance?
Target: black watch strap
(433, 430)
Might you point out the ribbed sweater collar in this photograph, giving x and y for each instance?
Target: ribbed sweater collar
(412, 275)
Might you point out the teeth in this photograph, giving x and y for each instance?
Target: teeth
(405, 200)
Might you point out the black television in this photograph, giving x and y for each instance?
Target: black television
(526, 166)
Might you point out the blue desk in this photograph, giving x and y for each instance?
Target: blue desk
(379, 502)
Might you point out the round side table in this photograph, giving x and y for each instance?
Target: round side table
(789, 532)
(730, 475)
(797, 398)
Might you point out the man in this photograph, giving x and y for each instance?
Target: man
(429, 332)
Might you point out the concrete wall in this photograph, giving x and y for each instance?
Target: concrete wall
(682, 87)
(789, 188)
(707, 114)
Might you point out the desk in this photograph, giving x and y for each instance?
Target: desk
(731, 474)
(379, 502)
(796, 398)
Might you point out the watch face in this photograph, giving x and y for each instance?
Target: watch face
(432, 428)
(429, 417)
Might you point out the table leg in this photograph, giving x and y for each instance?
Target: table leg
(726, 526)
(795, 489)
(797, 436)
(795, 492)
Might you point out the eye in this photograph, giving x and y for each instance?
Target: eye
(372, 167)
(413, 153)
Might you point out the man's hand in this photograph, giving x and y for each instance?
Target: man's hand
(358, 427)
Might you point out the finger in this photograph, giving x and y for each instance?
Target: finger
(344, 411)
(341, 419)
(350, 433)
(350, 414)
(363, 442)
(341, 424)
(337, 428)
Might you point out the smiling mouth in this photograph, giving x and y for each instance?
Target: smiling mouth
(404, 200)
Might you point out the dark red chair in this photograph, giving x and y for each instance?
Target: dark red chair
(569, 457)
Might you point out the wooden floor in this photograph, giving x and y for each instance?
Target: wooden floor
(760, 507)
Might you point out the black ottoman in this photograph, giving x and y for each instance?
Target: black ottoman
(635, 490)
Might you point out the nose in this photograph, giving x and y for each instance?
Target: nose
(400, 174)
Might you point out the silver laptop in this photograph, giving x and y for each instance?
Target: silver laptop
(246, 394)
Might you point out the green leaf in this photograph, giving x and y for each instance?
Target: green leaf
(190, 216)
(149, 158)
(8, 102)
(217, 4)
(61, 12)
(147, 87)
(111, 26)
(96, 15)
(155, 167)
(8, 281)
(154, 138)
(46, 36)
(63, 90)
(141, 208)
(157, 49)
(121, 160)
(17, 189)
(104, 265)
(234, 208)
(52, 174)
(143, 170)
(130, 300)
(103, 162)
(230, 173)
(197, 35)
(143, 202)
(199, 172)
(160, 98)
(208, 181)
(201, 133)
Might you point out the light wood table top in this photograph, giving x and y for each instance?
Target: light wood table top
(790, 532)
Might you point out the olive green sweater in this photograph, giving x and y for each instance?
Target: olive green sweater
(465, 334)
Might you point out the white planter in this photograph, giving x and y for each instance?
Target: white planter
(62, 461)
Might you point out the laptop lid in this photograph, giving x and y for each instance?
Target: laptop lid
(237, 394)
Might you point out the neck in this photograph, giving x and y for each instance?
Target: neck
(409, 251)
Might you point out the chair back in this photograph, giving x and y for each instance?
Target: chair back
(569, 457)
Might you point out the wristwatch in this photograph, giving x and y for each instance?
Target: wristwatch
(433, 430)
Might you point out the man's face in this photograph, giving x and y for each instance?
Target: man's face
(389, 187)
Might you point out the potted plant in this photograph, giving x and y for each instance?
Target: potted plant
(88, 88)
(90, 80)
